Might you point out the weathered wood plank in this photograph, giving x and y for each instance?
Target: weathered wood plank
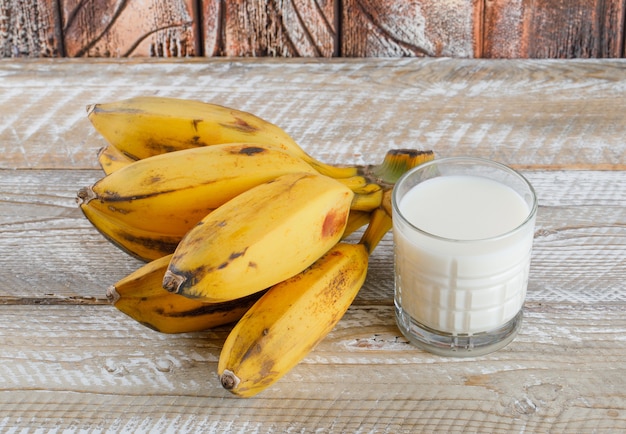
(554, 29)
(530, 113)
(30, 28)
(409, 28)
(243, 28)
(83, 367)
(144, 28)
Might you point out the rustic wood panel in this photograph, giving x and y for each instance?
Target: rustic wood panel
(30, 28)
(554, 29)
(314, 28)
(299, 28)
(408, 28)
(142, 28)
(88, 368)
(473, 107)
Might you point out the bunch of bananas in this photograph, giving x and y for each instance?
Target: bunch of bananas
(237, 225)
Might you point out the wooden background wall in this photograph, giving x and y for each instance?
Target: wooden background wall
(313, 28)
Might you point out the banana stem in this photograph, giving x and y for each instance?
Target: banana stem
(380, 223)
(337, 172)
(396, 163)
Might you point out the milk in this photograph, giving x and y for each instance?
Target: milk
(462, 253)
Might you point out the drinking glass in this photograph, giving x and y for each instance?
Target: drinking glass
(463, 230)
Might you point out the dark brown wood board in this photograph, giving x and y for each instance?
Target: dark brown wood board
(558, 29)
(299, 28)
(553, 29)
(30, 28)
(143, 28)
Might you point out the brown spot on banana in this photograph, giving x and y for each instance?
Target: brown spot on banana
(163, 244)
(118, 210)
(216, 308)
(251, 150)
(334, 222)
(241, 125)
(158, 147)
(231, 258)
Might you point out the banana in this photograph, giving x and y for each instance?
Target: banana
(112, 159)
(141, 244)
(356, 220)
(293, 316)
(144, 126)
(141, 296)
(367, 198)
(170, 193)
(148, 245)
(261, 237)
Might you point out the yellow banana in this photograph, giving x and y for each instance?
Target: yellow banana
(170, 193)
(149, 125)
(141, 244)
(148, 245)
(141, 296)
(356, 220)
(292, 317)
(261, 237)
(112, 159)
(367, 198)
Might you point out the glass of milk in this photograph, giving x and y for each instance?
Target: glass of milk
(463, 231)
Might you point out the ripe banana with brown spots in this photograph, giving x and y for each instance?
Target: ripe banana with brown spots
(261, 237)
(112, 159)
(172, 192)
(141, 296)
(145, 207)
(144, 126)
(293, 316)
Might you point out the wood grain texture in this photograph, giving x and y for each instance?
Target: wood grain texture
(244, 28)
(408, 28)
(314, 28)
(30, 28)
(554, 29)
(71, 362)
(491, 109)
(145, 28)
(90, 368)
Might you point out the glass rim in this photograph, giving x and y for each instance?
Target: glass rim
(484, 161)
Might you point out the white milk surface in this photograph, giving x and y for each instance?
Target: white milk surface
(468, 281)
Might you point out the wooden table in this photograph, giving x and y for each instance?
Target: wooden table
(70, 361)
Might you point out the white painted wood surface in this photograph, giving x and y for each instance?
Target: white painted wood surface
(70, 362)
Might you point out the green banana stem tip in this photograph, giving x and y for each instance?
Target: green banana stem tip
(396, 163)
